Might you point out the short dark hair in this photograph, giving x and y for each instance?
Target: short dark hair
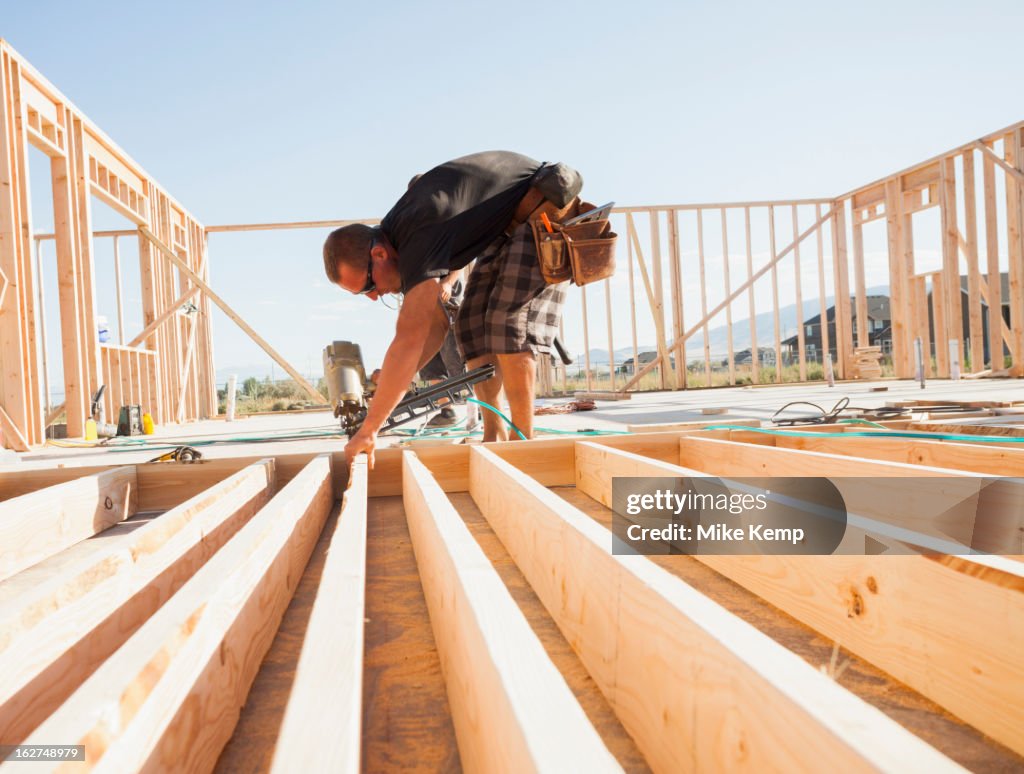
(348, 244)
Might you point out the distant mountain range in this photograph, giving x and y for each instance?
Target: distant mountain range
(718, 337)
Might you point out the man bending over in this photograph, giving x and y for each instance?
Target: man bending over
(473, 207)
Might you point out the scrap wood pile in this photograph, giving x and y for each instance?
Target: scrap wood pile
(565, 408)
(461, 606)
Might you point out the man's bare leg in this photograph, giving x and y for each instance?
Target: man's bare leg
(490, 392)
(519, 370)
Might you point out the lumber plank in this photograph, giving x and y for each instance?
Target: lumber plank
(670, 426)
(57, 630)
(935, 504)
(169, 698)
(323, 717)
(164, 485)
(550, 460)
(37, 525)
(695, 686)
(512, 709)
(894, 611)
(978, 458)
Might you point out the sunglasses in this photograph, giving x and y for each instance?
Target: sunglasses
(370, 285)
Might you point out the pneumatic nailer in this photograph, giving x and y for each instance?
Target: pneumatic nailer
(350, 391)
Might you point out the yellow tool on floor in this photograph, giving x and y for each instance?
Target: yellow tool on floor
(179, 454)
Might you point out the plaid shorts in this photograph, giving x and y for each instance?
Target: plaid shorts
(508, 306)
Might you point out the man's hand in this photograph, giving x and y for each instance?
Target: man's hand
(363, 441)
(446, 289)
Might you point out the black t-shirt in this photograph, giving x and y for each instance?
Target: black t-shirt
(451, 213)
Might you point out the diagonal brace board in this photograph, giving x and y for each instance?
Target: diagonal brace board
(37, 525)
(513, 710)
(165, 251)
(893, 611)
(169, 698)
(696, 687)
(171, 310)
(58, 626)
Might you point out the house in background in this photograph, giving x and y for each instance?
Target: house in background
(628, 368)
(879, 331)
(1004, 298)
(766, 357)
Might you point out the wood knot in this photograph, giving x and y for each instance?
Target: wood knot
(872, 584)
(855, 605)
(108, 503)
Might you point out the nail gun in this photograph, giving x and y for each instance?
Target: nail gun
(350, 391)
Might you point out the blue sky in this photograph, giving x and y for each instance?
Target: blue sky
(262, 111)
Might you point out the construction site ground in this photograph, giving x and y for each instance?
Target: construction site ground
(749, 402)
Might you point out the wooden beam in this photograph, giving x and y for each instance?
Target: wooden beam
(776, 332)
(977, 458)
(670, 426)
(12, 433)
(678, 307)
(549, 460)
(993, 277)
(171, 695)
(899, 301)
(325, 735)
(938, 515)
(654, 303)
(893, 611)
(825, 337)
(37, 525)
(704, 297)
(755, 354)
(1015, 250)
(695, 686)
(841, 283)
(511, 706)
(798, 283)
(165, 485)
(951, 260)
(730, 353)
(169, 254)
(165, 316)
(64, 618)
(187, 367)
(974, 283)
(654, 218)
(987, 152)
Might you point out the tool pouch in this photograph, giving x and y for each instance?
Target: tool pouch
(591, 248)
(583, 253)
(552, 253)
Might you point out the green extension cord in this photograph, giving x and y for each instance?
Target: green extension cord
(877, 434)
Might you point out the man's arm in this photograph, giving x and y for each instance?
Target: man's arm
(422, 324)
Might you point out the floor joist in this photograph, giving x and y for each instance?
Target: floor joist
(898, 612)
(695, 686)
(323, 718)
(171, 695)
(979, 458)
(56, 629)
(164, 485)
(512, 708)
(37, 525)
